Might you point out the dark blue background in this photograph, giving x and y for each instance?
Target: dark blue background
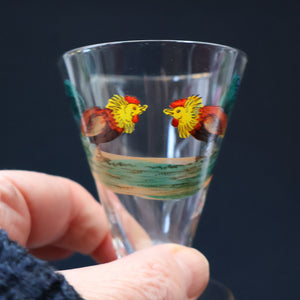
(250, 226)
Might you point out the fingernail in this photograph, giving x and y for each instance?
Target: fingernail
(195, 268)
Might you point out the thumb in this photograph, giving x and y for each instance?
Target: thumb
(168, 271)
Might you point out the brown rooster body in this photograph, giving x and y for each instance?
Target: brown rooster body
(103, 125)
(192, 118)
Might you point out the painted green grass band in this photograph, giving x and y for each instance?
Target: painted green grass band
(153, 180)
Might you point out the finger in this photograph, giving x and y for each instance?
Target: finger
(40, 210)
(167, 272)
(104, 253)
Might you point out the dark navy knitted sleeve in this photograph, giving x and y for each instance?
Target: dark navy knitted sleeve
(22, 276)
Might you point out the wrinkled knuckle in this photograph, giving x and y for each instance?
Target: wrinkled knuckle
(14, 213)
(8, 192)
(158, 282)
(155, 269)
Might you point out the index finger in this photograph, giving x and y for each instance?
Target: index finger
(40, 211)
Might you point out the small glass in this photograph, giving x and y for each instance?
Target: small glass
(152, 116)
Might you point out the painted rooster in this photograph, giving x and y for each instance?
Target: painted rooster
(102, 125)
(192, 118)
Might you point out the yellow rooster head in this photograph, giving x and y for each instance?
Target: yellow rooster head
(126, 111)
(185, 112)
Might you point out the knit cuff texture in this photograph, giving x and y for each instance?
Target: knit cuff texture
(23, 276)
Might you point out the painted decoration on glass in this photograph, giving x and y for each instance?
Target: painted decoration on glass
(120, 115)
(192, 118)
(150, 177)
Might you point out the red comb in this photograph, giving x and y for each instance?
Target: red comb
(131, 99)
(179, 102)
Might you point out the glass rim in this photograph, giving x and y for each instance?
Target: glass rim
(88, 48)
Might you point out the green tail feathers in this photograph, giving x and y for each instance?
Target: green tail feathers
(229, 99)
(77, 102)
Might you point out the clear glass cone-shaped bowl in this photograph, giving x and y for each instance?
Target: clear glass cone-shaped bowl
(152, 116)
